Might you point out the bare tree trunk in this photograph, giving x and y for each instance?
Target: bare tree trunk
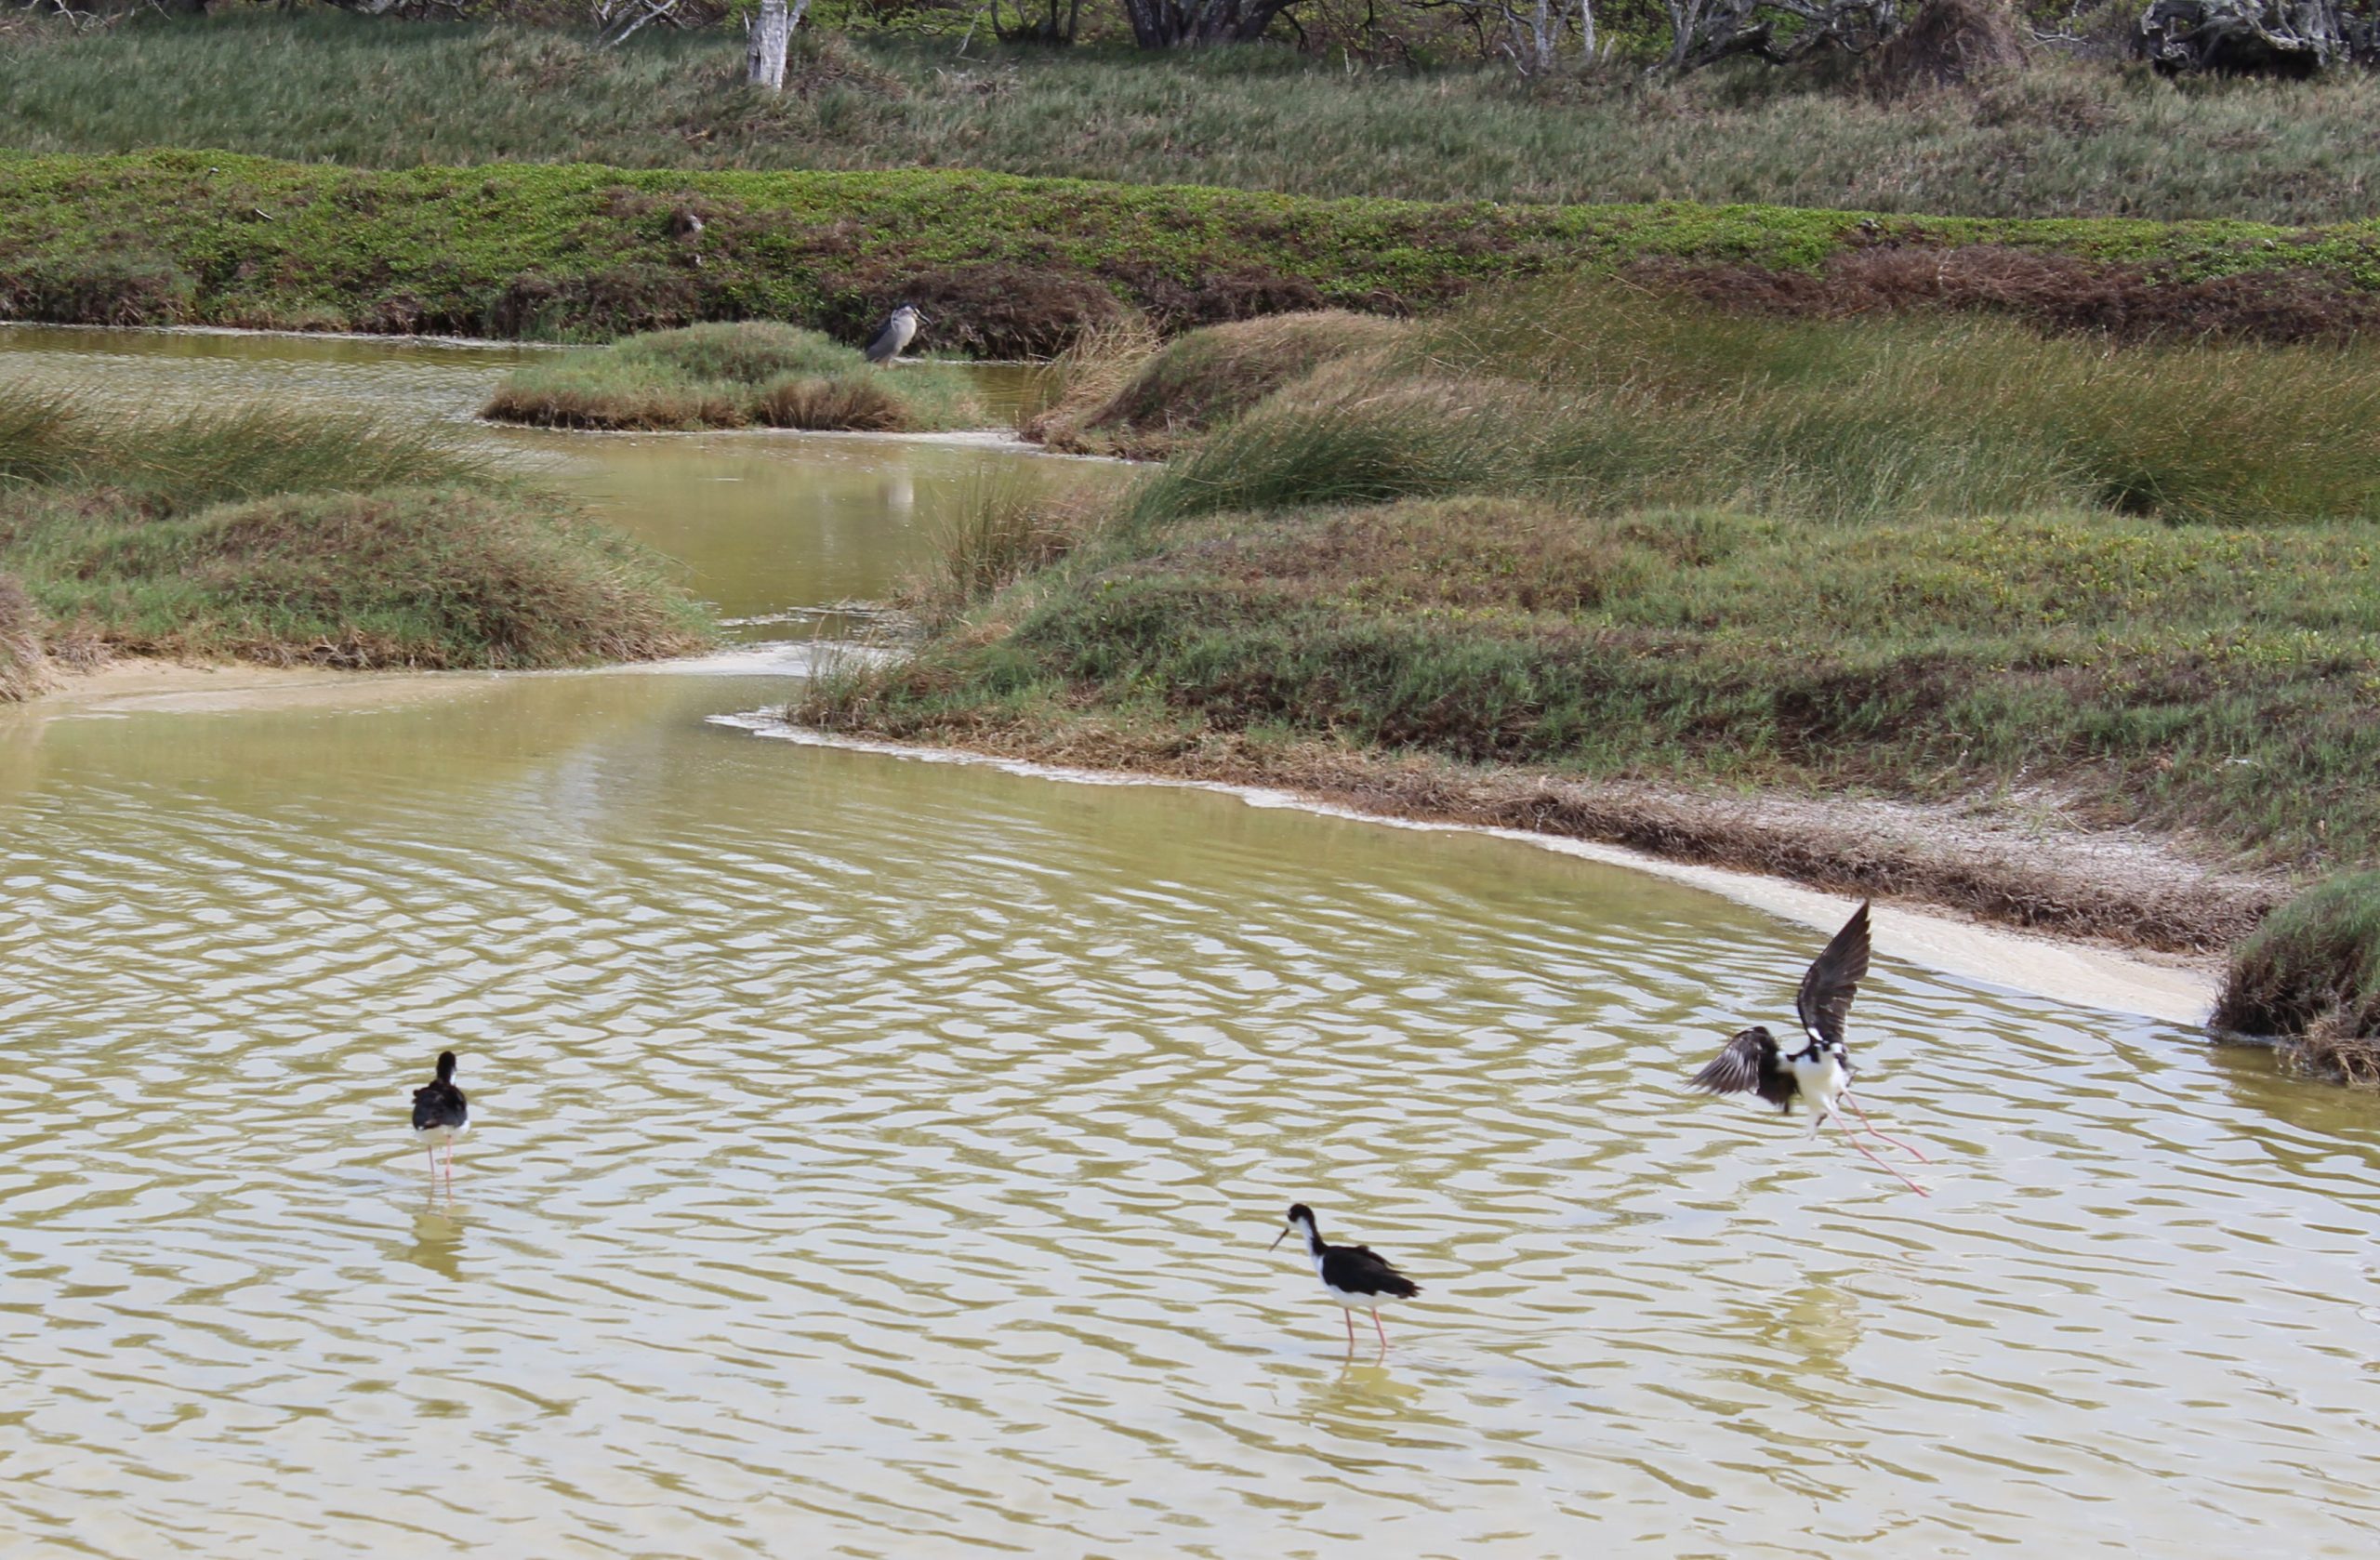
(765, 39)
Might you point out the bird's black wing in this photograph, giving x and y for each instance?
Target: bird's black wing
(879, 345)
(1749, 1060)
(438, 1105)
(1824, 1000)
(1360, 1269)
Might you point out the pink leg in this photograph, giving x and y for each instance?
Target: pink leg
(1350, 1316)
(1850, 1138)
(432, 1149)
(1872, 1127)
(1376, 1328)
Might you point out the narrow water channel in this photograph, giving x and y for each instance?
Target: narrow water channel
(875, 1157)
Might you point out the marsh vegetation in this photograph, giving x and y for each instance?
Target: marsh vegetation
(279, 534)
(1586, 532)
(750, 375)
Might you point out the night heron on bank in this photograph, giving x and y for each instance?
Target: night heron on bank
(892, 338)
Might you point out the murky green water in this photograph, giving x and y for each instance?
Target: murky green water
(877, 1158)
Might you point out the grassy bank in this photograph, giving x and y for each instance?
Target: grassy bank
(1571, 537)
(1004, 265)
(2055, 140)
(2312, 972)
(283, 536)
(734, 376)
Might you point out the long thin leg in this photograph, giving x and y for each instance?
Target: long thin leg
(1872, 1127)
(1350, 1317)
(432, 1149)
(1376, 1328)
(450, 1161)
(1852, 1138)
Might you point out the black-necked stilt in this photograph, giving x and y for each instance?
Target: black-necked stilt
(1819, 1073)
(440, 1113)
(1356, 1276)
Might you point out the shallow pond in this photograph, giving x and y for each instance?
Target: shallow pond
(877, 1157)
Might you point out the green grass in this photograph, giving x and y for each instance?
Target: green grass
(283, 536)
(1570, 532)
(2313, 970)
(1005, 266)
(734, 376)
(2071, 141)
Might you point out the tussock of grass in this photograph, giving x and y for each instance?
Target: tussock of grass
(283, 536)
(208, 455)
(1609, 398)
(1126, 394)
(2312, 970)
(20, 652)
(733, 375)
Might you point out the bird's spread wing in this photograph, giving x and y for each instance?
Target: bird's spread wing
(1741, 1066)
(1824, 1000)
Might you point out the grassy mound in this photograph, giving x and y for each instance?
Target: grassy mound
(2313, 971)
(1125, 393)
(1005, 266)
(734, 376)
(281, 536)
(1613, 399)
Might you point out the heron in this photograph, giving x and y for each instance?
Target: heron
(1819, 1074)
(892, 338)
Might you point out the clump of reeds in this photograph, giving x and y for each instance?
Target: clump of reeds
(205, 456)
(1003, 529)
(1126, 393)
(755, 374)
(2312, 975)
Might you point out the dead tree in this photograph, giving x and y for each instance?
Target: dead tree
(2269, 37)
(1173, 23)
(1705, 31)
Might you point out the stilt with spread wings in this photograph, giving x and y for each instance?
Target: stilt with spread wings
(1819, 1074)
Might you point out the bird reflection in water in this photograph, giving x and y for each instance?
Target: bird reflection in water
(438, 1238)
(1815, 1325)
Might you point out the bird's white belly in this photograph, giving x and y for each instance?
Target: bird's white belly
(440, 1134)
(1821, 1079)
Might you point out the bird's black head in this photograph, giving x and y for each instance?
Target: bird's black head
(1301, 1221)
(445, 1066)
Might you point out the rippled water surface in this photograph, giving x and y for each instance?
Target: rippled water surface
(877, 1157)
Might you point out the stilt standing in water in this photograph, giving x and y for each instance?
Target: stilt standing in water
(440, 1113)
(1356, 1276)
(1819, 1073)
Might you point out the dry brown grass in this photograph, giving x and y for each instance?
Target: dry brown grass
(643, 411)
(1126, 395)
(845, 402)
(21, 668)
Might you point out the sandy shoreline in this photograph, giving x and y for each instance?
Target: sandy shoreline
(2177, 988)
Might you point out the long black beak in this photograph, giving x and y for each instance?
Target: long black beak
(1277, 1239)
